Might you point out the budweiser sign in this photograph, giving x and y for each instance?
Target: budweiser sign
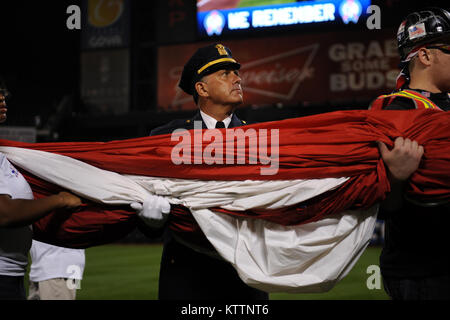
(290, 70)
(279, 76)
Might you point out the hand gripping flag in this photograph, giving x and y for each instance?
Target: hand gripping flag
(300, 229)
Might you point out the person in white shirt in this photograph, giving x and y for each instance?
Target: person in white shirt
(55, 272)
(18, 210)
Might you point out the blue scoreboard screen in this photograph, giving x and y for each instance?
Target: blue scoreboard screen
(228, 17)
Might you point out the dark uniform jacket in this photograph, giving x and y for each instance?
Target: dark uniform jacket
(197, 271)
(416, 236)
(189, 124)
(199, 241)
(168, 128)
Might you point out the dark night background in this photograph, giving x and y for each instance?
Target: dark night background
(40, 64)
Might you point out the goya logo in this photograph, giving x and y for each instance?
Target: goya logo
(103, 13)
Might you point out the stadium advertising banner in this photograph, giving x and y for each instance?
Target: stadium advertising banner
(230, 17)
(107, 24)
(175, 21)
(105, 81)
(317, 68)
(22, 134)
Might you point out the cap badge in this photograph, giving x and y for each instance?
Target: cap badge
(221, 50)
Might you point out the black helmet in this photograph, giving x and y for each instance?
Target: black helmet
(422, 27)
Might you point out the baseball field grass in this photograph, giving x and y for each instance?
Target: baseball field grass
(130, 272)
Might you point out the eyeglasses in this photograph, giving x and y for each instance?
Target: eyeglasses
(445, 48)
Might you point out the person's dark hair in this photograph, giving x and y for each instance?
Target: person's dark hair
(194, 91)
(195, 95)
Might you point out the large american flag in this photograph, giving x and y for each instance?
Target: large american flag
(300, 230)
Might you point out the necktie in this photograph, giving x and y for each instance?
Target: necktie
(220, 124)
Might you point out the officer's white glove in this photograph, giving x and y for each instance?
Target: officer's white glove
(154, 211)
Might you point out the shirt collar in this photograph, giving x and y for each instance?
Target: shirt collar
(430, 95)
(211, 122)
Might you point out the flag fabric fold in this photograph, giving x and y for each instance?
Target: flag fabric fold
(323, 196)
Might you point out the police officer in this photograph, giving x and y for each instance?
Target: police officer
(415, 261)
(211, 77)
(190, 267)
